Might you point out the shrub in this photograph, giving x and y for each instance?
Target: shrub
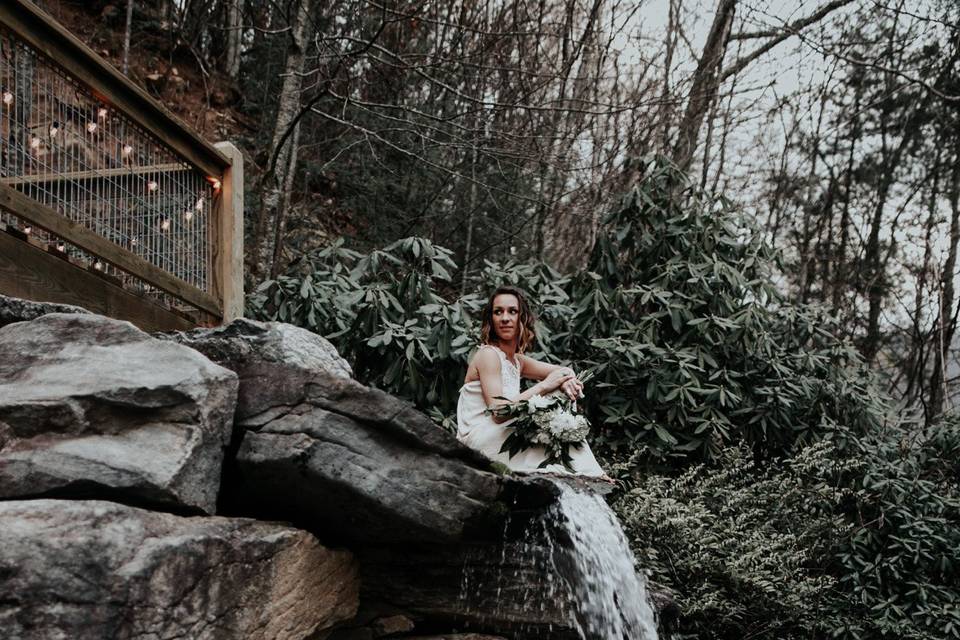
(899, 569)
(741, 546)
(857, 536)
(692, 347)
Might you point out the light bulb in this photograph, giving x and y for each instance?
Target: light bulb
(102, 112)
(7, 97)
(127, 150)
(188, 215)
(27, 230)
(91, 126)
(199, 206)
(98, 265)
(34, 143)
(165, 224)
(54, 129)
(216, 185)
(152, 185)
(61, 247)
(133, 242)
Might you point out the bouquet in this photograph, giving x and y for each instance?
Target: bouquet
(551, 421)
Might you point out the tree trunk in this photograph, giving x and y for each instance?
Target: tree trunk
(945, 324)
(284, 208)
(231, 60)
(706, 81)
(273, 182)
(915, 369)
(126, 38)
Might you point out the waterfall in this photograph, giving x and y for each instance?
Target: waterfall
(564, 571)
(608, 597)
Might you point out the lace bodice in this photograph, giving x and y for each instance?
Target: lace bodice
(509, 373)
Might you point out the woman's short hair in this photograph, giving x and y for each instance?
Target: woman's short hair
(527, 321)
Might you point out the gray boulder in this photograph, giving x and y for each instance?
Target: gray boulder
(246, 341)
(91, 570)
(333, 455)
(357, 463)
(94, 407)
(19, 310)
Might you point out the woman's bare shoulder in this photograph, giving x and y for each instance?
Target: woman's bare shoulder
(486, 354)
(483, 358)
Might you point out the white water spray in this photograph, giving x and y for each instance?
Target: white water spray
(608, 596)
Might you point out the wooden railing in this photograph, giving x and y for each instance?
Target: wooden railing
(104, 183)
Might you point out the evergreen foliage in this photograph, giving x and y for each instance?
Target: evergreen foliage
(853, 537)
(742, 547)
(691, 344)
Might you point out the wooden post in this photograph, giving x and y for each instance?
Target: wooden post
(228, 250)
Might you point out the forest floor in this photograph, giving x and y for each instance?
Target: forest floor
(165, 68)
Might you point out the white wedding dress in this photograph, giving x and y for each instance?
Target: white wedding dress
(478, 431)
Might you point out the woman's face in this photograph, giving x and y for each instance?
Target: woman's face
(506, 317)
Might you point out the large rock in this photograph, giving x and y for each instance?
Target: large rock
(336, 456)
(79, 570)
(19, 310)
(94, 407)
(358, 463)
(244, 342)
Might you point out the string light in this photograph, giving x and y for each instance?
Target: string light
(165, 224)
(152, 185)
(102, 113)
(7, 97)
(54, 129)
(216, 184)
(98, 265)
(126, 150)
(34, 142)
(199, 206)
(61, 247)
(188, 215)
(133, 242)
(91, 126)
(27, 230)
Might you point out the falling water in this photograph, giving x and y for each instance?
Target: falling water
(592, 556)
(571, 566)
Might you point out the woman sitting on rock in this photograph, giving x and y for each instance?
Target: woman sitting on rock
(493, 378)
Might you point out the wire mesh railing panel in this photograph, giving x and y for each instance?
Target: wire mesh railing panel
(64, 148)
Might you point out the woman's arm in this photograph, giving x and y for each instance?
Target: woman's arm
(537, 370)
(488, 365)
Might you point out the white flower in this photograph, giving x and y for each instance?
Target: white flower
(567, 427)
(543, 418)
(538, 402)
(542, 437)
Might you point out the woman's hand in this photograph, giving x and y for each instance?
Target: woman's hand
(565, 380)
(573, 388)
(554, 380)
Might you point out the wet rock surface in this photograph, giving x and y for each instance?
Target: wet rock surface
(92, 570)
(94, 407)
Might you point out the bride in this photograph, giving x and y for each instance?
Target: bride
(506, 332)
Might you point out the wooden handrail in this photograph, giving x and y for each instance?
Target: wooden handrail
(98, 174)
(37, 214)
(44, 34)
